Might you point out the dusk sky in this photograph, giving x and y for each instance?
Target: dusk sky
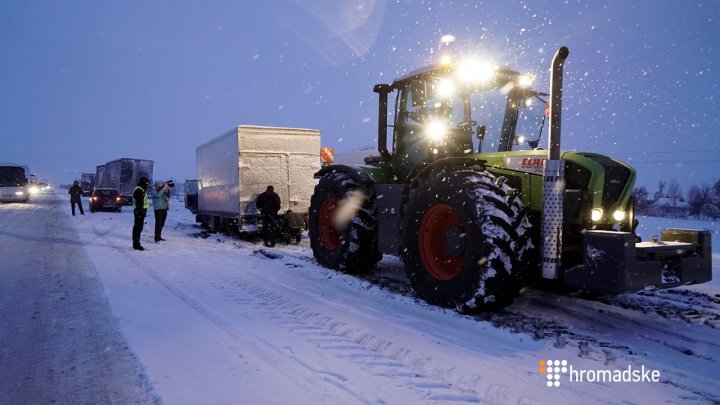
(85, 82)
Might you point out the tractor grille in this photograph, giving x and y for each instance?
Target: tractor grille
(576, 177)
(616, 179)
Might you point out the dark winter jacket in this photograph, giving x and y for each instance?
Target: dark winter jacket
(268, 203)
(75, 193)
(293, 220)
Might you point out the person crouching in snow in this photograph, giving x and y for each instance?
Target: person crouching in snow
(160, 195)
(293, 224)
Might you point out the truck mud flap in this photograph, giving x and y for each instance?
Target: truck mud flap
(614, 263)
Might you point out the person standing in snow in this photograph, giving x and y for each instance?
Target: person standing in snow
(75, 193)
(160, 195)
(269, 204)
(140, 203)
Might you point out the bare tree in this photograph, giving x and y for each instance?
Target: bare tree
(716, 193)
(674, 193)
(660, 190)
(698, 197)
(640, 194)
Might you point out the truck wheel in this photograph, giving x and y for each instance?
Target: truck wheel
(343, 224)
(463, 235)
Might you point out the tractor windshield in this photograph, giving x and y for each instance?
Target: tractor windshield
(463, 118)
(532, 122)
(488, 111)
(438, 115)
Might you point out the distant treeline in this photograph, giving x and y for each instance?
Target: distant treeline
(668, 200)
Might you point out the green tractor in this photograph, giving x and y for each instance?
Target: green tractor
(476, 210)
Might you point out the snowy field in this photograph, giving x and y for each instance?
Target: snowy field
(213, 319)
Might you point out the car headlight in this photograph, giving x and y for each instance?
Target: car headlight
(19, 193)
(596, 214)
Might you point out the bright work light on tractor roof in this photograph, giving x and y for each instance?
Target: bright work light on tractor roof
(445, 89)
(596, 214)
(436, 130)
(526, 80)
(475, 71)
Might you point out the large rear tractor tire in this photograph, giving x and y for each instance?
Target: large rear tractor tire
(343, 224)
(464, 233)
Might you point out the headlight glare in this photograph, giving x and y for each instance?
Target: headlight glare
(436, 131)
(619, 215)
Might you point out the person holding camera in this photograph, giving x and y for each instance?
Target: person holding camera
(160, 195)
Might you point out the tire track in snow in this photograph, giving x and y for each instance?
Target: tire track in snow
(379, 357)
(607, 312)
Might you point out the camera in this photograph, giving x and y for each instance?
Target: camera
(170, 183)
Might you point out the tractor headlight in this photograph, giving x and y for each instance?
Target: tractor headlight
(436, 131)
(596, 214)
(34, 190)
(619, 215)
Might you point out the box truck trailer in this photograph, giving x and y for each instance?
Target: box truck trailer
(235, 167)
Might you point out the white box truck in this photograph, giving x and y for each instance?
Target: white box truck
(235, 167)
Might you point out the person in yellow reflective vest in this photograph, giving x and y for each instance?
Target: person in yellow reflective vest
(140, 203)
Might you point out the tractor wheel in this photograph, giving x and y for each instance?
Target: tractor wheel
(343, 224)
(464, 233)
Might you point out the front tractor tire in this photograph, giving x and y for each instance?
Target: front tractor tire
(343, 224)
(464, 233)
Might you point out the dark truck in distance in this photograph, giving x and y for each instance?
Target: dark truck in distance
(123, 175)
(87, 183)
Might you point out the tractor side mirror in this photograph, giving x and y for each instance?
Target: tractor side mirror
(480, 133)
(520, 140)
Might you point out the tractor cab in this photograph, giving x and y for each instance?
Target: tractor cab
(457, 110)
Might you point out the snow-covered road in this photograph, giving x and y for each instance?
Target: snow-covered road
(220, 320)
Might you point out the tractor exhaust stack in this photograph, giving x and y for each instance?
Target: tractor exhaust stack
(554, 179)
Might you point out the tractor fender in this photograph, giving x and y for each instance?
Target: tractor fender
(355, 172)
(423, 171)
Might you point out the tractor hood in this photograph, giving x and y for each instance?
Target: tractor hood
(608, 182)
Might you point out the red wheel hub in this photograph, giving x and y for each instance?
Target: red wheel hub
(440, 242)
(329, 236)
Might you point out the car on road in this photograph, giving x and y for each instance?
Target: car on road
(105, 199)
